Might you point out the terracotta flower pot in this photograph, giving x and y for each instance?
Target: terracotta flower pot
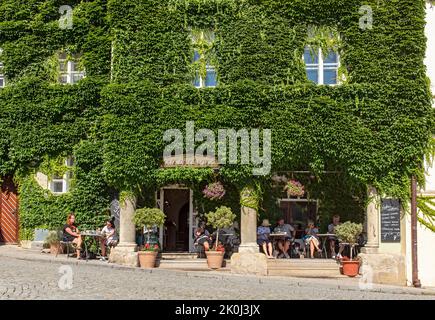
(350, 268)
(55, 248)
(147, 259)
(215, 259)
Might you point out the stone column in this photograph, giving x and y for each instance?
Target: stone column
(248, 260)
(125, 252)
(127, 229)
(248, 230)
(372, 220)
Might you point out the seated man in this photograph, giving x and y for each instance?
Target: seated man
(108, 239)
(72, 234)
(202, 238)
(284, 244)
(332, 239)
(263, 240)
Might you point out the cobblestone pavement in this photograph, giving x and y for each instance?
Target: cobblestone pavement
(20, 279)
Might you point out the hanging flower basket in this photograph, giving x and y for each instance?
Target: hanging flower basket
(295, 189)
(214, 191)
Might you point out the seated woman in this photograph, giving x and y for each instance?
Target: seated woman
(263, 240)
(311, 240)
(72, 234)
(202, 238)
(109, 238)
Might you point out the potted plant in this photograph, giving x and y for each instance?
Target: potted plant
(149, 218)
(223, 217)
(295, 189)
(53, 240)
(348, 232)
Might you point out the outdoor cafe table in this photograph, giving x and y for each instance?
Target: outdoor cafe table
(93, 234)
(324, 237)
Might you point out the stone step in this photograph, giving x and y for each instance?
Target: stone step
(306, 273)
(304, 268)
(188, 264)
(178, 255)
(302, 264)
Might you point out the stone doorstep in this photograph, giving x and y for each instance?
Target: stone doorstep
(301, 268)
(309, 268)
(304, 261)
(188, 265)
(311, 273)
(178, 255)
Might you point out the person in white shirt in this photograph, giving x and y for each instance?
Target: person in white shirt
(284, 244)
(333, 239)
(108, 238)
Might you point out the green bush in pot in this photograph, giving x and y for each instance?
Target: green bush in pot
(348, 232)
(148, 217)
(223, 217)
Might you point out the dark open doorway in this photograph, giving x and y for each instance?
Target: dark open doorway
(176, 231)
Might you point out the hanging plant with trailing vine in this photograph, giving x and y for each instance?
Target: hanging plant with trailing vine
(251, 196)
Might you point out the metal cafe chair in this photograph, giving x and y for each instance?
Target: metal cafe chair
(67, 244)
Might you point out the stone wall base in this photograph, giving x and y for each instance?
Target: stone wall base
(249, 263)
(383, 268)
(35, 245)
(124, 256)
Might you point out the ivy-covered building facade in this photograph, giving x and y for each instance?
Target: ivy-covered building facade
(89, 88)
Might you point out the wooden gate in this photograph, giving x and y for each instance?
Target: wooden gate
(8, 212)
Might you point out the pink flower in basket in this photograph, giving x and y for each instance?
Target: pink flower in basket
(295, 188)
(214, 191)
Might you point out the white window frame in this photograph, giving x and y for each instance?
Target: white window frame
(208, 68)
(2, 76)
(65, 184)
(65, 180)
(69, 73)
(321, 66)
(202, 80)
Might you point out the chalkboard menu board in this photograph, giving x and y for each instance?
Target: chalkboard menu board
(390, 220)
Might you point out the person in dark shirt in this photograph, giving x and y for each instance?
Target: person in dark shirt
(72, 234)
(203, 238)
